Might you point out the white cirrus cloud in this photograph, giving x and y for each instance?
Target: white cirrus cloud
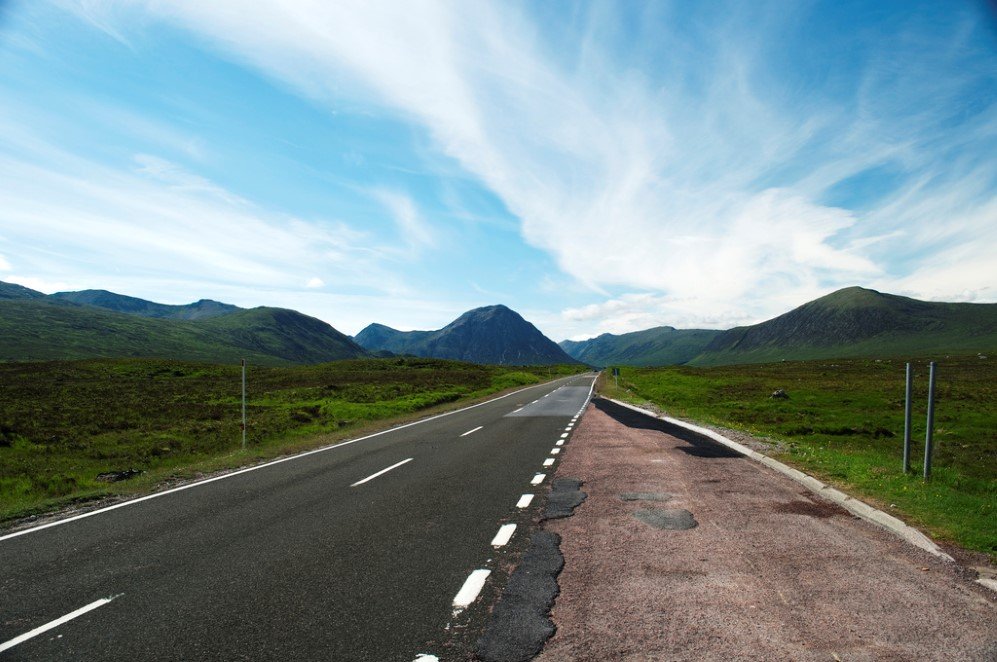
(703, 180)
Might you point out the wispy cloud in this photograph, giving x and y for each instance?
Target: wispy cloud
(713, 166)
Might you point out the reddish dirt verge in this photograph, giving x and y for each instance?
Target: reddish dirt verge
(770, 571)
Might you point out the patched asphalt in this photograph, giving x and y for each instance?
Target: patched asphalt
(565, 496)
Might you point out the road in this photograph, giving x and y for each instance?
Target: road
(356, 552)
(687, 550)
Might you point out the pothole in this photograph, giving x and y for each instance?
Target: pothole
(660, 518)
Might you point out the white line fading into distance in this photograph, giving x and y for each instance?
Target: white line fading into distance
(57, 622)
(472, 431)
(256, 467)
(381, 472)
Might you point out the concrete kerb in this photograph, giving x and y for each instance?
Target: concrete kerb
(851, 504)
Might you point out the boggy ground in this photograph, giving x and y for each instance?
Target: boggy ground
(769, 572)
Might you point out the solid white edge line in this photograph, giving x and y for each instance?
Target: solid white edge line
(381, 472)
(537, 479)
(255, 467)
(471, 588)
(472, 431)
(548, 462)
(504, 535)
(56, 623)
(524, 501)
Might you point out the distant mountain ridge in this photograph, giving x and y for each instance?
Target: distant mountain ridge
(101, 324)
(492, 334)
(857, 322)
(662, 345)
(202, 309)
(850, 323)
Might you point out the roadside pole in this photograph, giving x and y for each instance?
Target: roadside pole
(244, 404)
(910, 384)
(928, 447)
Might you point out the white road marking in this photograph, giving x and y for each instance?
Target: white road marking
(518, 410)
(257, 467)
(380, 473)
(472, 431)
(426, 657)
(563, 436)
(537, 479)
(559, 442)
(524, 501)
(555, 451)
(568, 429)
(56, 623)
(472, 587)
(549, 461)
(504, 535)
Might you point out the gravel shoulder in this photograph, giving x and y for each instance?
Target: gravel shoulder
(759, 567)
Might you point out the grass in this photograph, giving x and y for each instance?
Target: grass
(843, 423)
(64, 422)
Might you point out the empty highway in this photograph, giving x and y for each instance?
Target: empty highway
(367, 550)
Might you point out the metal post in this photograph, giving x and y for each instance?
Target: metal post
(244, 404)
(910, 384)
(928, 449)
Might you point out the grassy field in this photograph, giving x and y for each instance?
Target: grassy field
(64, 422)
(843, 422)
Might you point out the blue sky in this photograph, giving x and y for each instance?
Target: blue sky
(599, 167)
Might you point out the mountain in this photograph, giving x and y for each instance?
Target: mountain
(378, 337)
(12, 291)
(57, 327)
(493, 334)
(202, 309)
(663, 345)
(858, 322)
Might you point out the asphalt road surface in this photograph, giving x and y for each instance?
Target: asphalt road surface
(357, 552)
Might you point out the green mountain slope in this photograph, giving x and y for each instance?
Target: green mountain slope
(45, 329)
(661, 345)
(858, 322)
(491, 335)
(202, 309)
(12, 291)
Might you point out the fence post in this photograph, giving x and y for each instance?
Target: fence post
(910, 384)
(244, 404)
(928, 447)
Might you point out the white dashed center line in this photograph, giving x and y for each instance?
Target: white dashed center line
(504, 535)
(380, 473)
(469, 592)
(56, 623)
(537, 479)
(524, 501)
(472, 431)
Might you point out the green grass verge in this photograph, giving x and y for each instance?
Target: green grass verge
(843, 423)
(64, 422)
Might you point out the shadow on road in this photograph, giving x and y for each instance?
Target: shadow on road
(699, 446)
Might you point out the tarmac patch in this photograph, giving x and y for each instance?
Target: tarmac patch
(520, 624)
(645, 496)
(660, 518)
(565, 496)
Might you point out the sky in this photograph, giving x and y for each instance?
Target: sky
(596, 166)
